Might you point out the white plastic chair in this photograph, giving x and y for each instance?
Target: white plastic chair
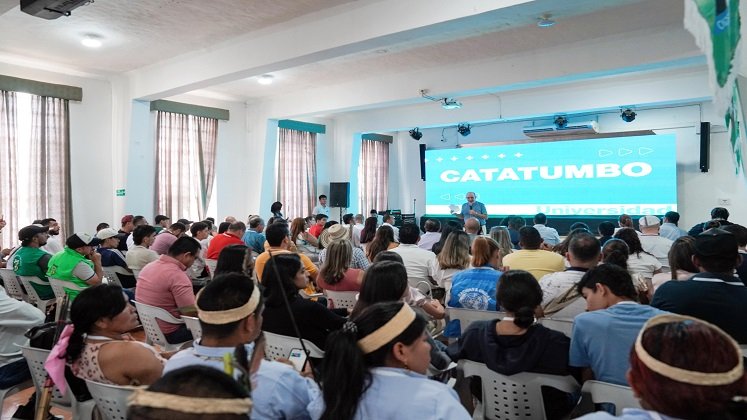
(35, 359)
(59, 286)
(345, 300)
(558, 324)
(517, 396)
(111, 399)
(110, 275)
(618, 395)
(281, 345)
(193, 325)
(468, 316)
(34, 298)
(148, 315)
(12, 284)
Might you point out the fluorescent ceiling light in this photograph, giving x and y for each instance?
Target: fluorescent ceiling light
(265, 79)
(91, 41)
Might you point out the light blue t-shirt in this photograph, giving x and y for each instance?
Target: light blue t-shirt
(474, 288)
(255, 241)
(476, 206)
(602, 339)
(627, 414)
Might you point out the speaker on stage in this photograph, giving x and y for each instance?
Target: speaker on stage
(339, 194)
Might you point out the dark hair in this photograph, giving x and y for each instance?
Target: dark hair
(191, 381)
(275, 233)
(185, 244)
(739, 232)
(388, 256)
(409, 234)
(432, 225)
(520, 293)
(137, 219)
(225, 291)
(369, 230)
(287, 266)
(680, 255)
(584, 246)
(275, 207)
(563, 246)
(530, 238)
(178, 226)
(330, 223)
(47, 221)
(616, 252)
(625, 221)
(197, 226)
(384, 237)
(630, 236)
(235, 258)
(347, 218)
(141, 232)
(210, 219)
(388, 216)
(383, 281)
(720, 213)
(672, 217)
(322, 196)
(92, 304)
(223, 227)
(516, 222)
(236, 226)
(580, 225)
(540, 219)
(160, 218)
(617, 279)
(320, 216)
(102, 225)
(345, 373)
(446, 229)
(606, 228)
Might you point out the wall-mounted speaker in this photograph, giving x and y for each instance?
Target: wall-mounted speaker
(422, 162)
(705, 146)
(339, 194)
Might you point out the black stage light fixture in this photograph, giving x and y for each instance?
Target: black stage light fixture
(628, 115)
(416, 134)
(560, 121)
(464, 129)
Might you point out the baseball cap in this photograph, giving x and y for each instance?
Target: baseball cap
(716, 242)
(128, 218)
(106, 233)
(78, 240)
(648, 221)
(28, 232)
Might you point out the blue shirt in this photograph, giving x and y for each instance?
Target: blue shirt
(602, 339)
(472, 289)
(627, 414)
(476, 206)
(279, 391)
(671, 231)
(255, 240)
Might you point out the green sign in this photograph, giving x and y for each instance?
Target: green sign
(120, 192)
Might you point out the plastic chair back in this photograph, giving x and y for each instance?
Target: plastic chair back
(193, 325)
(468, 316)
(618, 395)
(31, 292)
(211, 264)
(342, 299)
(110, 399)
(558, 324)
(12, 284)
(148, 315)
(281, 345)
(110, 275)
(517, 396)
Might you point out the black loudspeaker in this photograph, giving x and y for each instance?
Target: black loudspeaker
(422, 161)
(339, 194)
(705, 146)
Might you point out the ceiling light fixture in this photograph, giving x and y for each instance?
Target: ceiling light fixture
(265, 79)
(464, 129)
(545, 21)
(446, 103)
(628, 115)
(91, 41)
(416, 134)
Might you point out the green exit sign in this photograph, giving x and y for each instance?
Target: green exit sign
(120, 192)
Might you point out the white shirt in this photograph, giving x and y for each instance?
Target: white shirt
(54, 245)
(557, 284)
(659, 247)
(320, 210)
(16, 317)
(428, 240)
(671, 231)
(395, 229)
(357, 229)
(643, 263)
(548, 234)
(419, 263)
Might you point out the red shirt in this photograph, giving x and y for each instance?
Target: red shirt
(219, 242)
(316, 230)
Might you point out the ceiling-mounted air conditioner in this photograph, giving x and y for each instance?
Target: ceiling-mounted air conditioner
(570, 129)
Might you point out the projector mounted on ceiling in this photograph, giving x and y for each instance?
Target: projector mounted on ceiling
(51, 9)
(451, 104)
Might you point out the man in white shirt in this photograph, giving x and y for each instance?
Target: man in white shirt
(358, 226)
(432, 234)
(54, 242)
(139, 255)
(389, 221)
(419, 263)
(549, 235)
(322, 207)
(653, 243)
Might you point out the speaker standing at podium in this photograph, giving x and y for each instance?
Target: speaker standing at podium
(473, 209)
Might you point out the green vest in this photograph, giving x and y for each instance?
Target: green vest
(61, 267)
(25, 263)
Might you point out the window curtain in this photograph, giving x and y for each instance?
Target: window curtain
(185, 164)
(50, 161)
(8, 192)
(373, 176)
(296, 172)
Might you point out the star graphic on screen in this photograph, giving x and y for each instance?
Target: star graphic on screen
(469, 158)
(518, 155)
(439, 159)
(454, 158)
(485, 157)
(502, 155)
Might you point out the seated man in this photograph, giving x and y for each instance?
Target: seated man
(278, 239)
(389, 221)
(31, 260)
(166, 238)
(718, 214)
(78, 263)
(54, 243)
(549, 235)
(652, 242)
(669, 228)
(230, 308)
(164, 284)
(472, 227)
(139, 255)
(162, 222)
(111, 257)
(136, 221)
(254, 238)
(559, 295)
(419, 263)
(715, 294)
(531, 258)
(432, 234)
(231, 236)
(201, 232)
(740, 232)
(128, 225)
(603, 336)
(318, 227)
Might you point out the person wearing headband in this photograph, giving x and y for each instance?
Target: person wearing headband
(191, 393)
(374, 369)
(230, 311)
(685, 368)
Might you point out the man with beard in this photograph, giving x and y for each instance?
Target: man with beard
(31, 260)
(54, 243)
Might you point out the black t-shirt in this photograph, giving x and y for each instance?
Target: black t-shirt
(314, 320)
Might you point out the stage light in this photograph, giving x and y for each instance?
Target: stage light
(628, 115)
(464, 129)
(416, 134)
(560, 121)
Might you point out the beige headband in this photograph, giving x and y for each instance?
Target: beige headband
(192, 405)
(229, 315)
(682, 375)
(388, 331)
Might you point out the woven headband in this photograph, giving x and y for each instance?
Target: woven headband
(230, 315)
(192, 405)
(388, 331)
(683, 375)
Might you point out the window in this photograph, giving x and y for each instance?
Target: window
(373, 175)
(296, 172)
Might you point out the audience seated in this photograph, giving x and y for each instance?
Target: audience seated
(336, 273)
(383, 241)
(31, 260)
(314, 320)
(603, 336)
(606, 232)
(616, 252)
(316, 229)
(139, 255)
(531, 258)
(78, 263)
(515, 224)
(419, 263)
(230, 308)
(136, 221)
(167, 237)
(389, 222)
(475, 288)
(161, 222)
(684, 368)
(454, 258)
(652, 242)
(501, 235)
(305, 242)
(233, 235)
(128, 225)
(715, 294)
(375, 369)
(446, 229)
(431, 236)
(669, 228)
(348, 223)
(112, 257)
(559, 295)
(680, 262)
(472, 228)
(549, 235)
(279, 243)
(740, 233)
(639, 261)
(338, 232)
(54, 242)
(235, 258)
(254, 238)
(165, 284)
(624, 221)
(369, 231)
(201, 232)
(388, 277)
(718, 214)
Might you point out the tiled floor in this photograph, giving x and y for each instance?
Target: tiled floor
(11, 403)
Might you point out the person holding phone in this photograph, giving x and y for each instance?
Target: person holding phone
(473, 210)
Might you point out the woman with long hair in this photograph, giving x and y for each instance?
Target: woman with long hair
(616, 252)
(99, 346)
(375, 368)
(314, 320)
(369, 230)
(305, 242)
(275, 210)
(446, 229)
(453, 258)
(475, 288)
(501, 235)
(235, 258)
(383, 241)
(685, 368)
(336, 273)
(680, 262)
(639, 261)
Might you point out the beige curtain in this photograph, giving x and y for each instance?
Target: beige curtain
(373, 176)
(296, 172)
(185, 164)
(8, 192)
(49, 167)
